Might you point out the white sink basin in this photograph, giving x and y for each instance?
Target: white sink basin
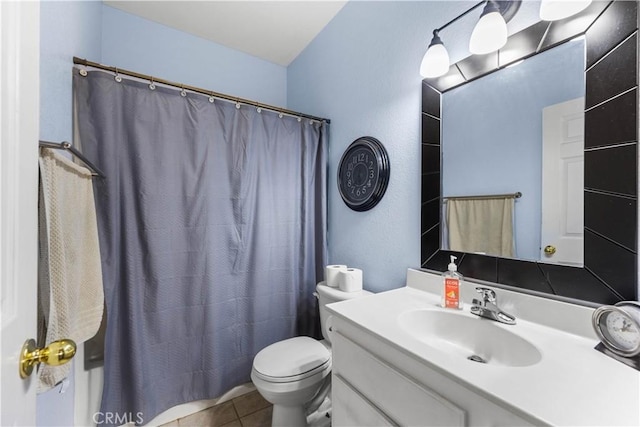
(471, 337)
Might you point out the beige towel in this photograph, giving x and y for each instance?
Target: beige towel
(70, 276)
(481, 225)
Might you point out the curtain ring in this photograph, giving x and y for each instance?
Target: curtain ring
(152, 85)
(238, 105)
(211, 98)
(258, 109)
(82, 72)
(183, 92)
(299, 119)
(117, 77)
(281, 115)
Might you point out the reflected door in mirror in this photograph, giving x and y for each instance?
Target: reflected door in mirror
(562, 231)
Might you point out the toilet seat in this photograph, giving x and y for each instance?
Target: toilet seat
(291, 360)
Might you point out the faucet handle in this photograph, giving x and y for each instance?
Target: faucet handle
(487, 294)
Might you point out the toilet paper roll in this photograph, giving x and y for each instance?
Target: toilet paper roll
(350, 280)
(331, 274)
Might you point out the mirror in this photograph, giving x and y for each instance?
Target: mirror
(499, 150)
(609, 271)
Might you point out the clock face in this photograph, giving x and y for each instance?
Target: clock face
(619, 327)
(363, 174)
(360, 173)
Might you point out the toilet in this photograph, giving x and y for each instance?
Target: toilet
(295, 374)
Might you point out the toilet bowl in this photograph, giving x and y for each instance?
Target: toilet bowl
(294, 374)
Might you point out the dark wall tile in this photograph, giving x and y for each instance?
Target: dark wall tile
(614, 25)
(611, 169)
(430, 130)
(613, 122)
(479, 267)
(451, 79)
(616, 73)
(430, 186)
(475, 66)
(430, 214)
(429, 244)
(430, 100)
(560, 31)
(563, 279)
(523, 43)
(522, 274)
(430, 158)
(441, 260)
(613, 217)
(613, 264)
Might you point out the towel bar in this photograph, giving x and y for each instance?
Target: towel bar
(65, 145)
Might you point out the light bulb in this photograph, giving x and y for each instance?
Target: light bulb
(435, 62)
(490, 33)
(554, 10)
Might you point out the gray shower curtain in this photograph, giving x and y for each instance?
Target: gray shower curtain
(212, 226)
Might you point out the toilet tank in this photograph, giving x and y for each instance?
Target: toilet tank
(328, 295)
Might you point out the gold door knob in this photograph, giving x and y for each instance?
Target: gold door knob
(549, 250)
(55, 354)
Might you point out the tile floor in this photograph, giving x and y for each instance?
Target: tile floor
(248, 410)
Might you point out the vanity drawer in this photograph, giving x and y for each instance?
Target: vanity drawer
(398, 396)
(350, 408)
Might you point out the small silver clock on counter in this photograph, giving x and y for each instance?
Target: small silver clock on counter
(618, 327)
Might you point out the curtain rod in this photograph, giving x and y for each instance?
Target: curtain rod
(516, 195)
(80, 61)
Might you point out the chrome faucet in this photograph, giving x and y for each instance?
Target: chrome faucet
(488, 307)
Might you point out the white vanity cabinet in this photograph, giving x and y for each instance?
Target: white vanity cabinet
(401, 359)
(371, 387)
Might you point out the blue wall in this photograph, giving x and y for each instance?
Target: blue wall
(88, 29)
(492, 134)
(150, 48)
(67, 28)
(362, 73)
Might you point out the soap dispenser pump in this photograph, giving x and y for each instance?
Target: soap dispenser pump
(451, 286)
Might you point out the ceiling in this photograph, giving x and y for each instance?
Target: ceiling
(276, 31)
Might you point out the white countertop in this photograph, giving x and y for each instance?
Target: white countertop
(573, 384)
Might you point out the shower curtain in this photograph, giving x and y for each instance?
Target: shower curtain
(212, 226)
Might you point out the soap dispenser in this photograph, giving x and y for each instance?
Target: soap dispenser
(451, 286)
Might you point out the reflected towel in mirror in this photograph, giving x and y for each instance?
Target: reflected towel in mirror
(481, 225)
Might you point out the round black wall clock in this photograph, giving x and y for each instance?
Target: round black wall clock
(363, 173)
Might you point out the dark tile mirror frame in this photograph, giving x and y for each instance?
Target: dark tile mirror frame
(610, 159)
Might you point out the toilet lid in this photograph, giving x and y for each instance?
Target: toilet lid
(291, 358)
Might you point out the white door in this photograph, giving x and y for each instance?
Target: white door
(563, 183)
(19, 117)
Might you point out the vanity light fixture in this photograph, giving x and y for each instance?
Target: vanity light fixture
(554, 10)
(436, 60)
(490, 33)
